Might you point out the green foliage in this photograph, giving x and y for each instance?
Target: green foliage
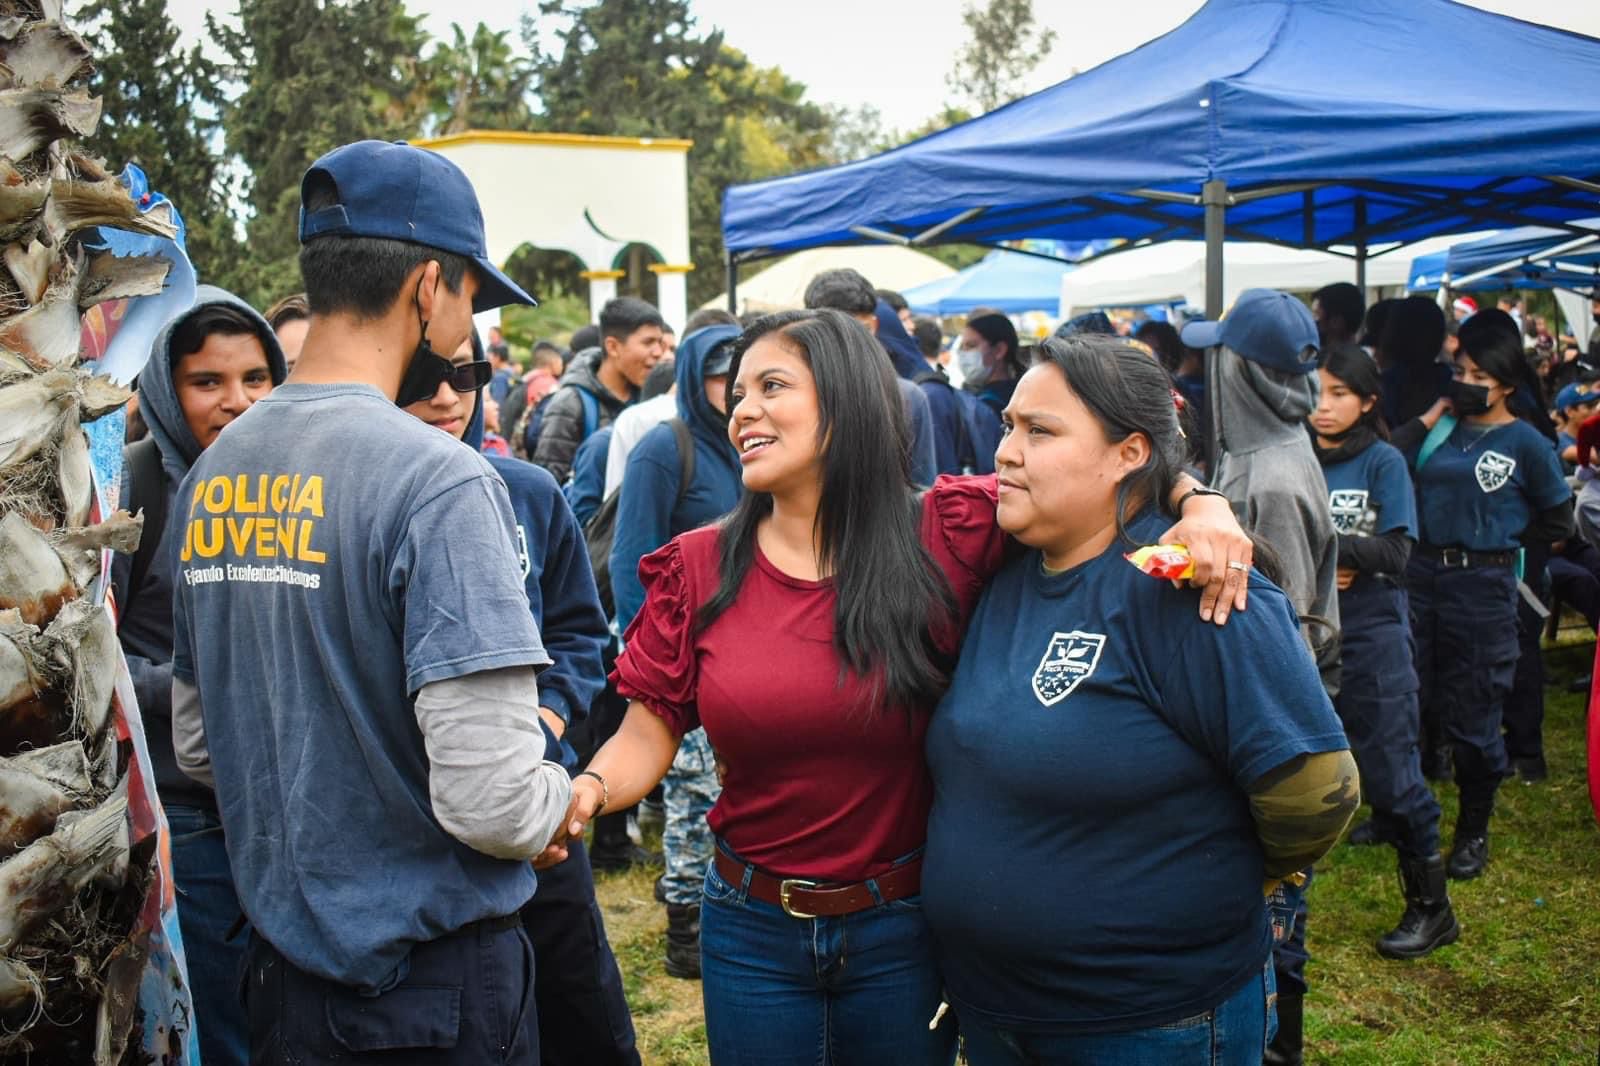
(316, 75)
(1004, 42)
(477, 83)
(158, 110)
(638, 68)
(554, 319)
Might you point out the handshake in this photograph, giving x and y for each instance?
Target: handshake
(589, 796)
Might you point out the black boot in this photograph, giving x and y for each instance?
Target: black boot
(1285, 1049)
(1468, 856)
(683, 940)
(612, 850)
(1368, 833)
(1429, 922)
(1470, 852)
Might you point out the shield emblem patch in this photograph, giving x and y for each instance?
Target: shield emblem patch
(1349, 506)
(1068, 660)
(1494, 470)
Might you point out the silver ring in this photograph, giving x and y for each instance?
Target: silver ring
(1234, 564)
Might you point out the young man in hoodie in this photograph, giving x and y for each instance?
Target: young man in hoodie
(206, 369)
(1262, 383)
(600, 383)
(655, 505)
(370, 723)
(847, 291)
(583, 1015)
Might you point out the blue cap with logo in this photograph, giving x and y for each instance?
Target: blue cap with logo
(1265, 326)
(1574, 394)
(401, 192)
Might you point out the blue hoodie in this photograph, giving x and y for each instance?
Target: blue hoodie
(947, 415)
(649, 512)
(144, 625)
(560, 586)
(908, 364)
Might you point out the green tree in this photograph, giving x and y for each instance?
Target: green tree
(1004, 42)
(316, 74)
(638, 68)
(159, 108)
(479, 83)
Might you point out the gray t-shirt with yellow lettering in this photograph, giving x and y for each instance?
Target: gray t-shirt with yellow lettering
(335, 555)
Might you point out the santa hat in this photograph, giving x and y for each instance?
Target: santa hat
(1465, 305)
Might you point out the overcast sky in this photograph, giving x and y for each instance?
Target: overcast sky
(894, 54)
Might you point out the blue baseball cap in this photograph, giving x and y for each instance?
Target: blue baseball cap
(1265, 326)
(1572, 395)
(400, 192)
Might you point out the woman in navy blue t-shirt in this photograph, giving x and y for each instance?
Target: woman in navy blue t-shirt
(1375, 513)
(1115, 780)
(1487, 482)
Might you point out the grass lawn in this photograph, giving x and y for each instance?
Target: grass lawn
(1522, 985)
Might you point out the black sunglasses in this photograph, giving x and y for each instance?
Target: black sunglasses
(470, 377)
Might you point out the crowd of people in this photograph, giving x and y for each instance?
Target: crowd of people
(419, 635)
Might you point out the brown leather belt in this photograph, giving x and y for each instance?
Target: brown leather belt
(818, 899)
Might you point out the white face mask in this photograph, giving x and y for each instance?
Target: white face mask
(970, 360)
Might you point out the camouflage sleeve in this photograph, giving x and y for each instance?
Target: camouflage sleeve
(1301, 807)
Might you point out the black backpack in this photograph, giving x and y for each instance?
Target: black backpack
(147, 492)
(601, 529)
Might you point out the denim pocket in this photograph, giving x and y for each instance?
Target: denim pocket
(716, 889)
(911, 904)
(414, 1016)
(1192, 1022)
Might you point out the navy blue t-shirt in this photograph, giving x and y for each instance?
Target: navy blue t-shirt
(1484, 485)
(1370, 494)
(1092, 864)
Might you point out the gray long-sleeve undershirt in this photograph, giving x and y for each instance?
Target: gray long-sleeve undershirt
(488, 783)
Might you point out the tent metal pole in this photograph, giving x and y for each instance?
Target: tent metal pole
(1560, 249)
(1214, 196)
(733, 283)
(1361, 246)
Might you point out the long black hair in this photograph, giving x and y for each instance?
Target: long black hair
(1127, 392)
(891, 596)
(1359, 372)
(1492, 340)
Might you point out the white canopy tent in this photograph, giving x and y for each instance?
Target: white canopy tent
(782, 286)
(1175, 273)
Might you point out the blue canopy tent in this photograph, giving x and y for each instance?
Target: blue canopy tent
(1346, 125)
(1013, 282)
(1529, 257)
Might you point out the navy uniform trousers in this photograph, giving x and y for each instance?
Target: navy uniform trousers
(1378, 704)
(1464, 620)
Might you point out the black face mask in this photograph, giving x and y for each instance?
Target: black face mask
(1468, 400)
(425, 372)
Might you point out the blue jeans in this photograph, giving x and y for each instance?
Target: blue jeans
(1233, 1033)
(208, 910)
(782, 991)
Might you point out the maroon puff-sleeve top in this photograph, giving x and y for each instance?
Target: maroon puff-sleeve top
(821, 781)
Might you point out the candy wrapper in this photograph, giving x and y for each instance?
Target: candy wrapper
(1169, 562)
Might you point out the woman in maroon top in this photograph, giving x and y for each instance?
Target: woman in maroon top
(811, 634)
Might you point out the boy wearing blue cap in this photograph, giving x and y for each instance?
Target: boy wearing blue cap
(372, 724)
(1261, 384)
(1574, 403)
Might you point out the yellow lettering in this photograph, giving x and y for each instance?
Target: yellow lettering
(239, 534)
(242, 503)
(199, 494)
(219, 495)
(310, 498)
(286, 536)
(201, 547)
(280, 493)
(188, 539)
(307, 553)
(266, 537)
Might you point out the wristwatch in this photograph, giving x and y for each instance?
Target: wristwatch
(1199, 490)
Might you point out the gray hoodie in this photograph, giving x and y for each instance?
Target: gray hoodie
(1266, 466)
(145, 622)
